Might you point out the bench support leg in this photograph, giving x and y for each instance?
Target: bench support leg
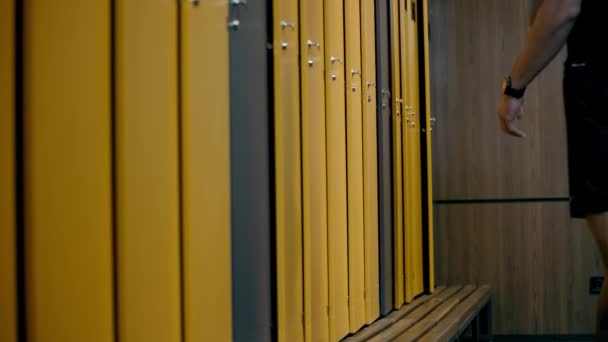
(485, 323)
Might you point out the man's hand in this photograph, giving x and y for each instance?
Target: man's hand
(509, 111)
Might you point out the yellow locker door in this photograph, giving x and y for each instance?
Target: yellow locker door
(336, 170)
(411, 131)
(417, 241)
(147, 187)
(205, 137)
(397, 104)
(288, 180)
(314, 169)
(354, 147)
(370, 161)
(429, 149)
(8, 290)
(68, 171)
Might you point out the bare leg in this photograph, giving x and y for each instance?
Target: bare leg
(598, 224)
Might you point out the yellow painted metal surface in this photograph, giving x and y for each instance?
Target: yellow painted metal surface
(314, 169)
(147, 187)
(416, 233)
(399, 276)
(288, 180)
(336, 170)
(429, 144)
(205, 138)
(370, 161)
(8, 290)
(68, 171)
(411, 151)
(354, 148)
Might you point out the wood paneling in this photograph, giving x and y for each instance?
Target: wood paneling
(537, 260)
(473, 45)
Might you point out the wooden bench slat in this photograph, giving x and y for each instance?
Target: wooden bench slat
(384, 323)
(434, 317)
(458, 319)
(409, 320)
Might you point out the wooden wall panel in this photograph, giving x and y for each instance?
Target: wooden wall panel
(473, 46)
(8, 282)
(147, 168)
(68, 171)
(288, 172)
(205, 139)
(537, 260)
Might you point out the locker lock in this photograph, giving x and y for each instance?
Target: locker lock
(284, 45)
(334, 77)
(310, 62)
(234, 24)
(312, 44)
(238, 3)
(195, 2)
(287, 24)
(335, 60)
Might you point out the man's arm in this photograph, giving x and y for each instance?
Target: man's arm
(549, 33)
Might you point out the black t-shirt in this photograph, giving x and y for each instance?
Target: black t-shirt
(586, 43)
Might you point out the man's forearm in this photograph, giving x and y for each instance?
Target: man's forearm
(548, 35)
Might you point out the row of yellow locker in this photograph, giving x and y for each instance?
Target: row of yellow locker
(122, 162)
(103, 261)
(325, 71)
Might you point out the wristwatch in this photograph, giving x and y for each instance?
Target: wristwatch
(510, 91)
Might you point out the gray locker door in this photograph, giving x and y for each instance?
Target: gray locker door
(252, 246)
(385, 205)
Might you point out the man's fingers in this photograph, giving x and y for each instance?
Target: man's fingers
(514, 131)
(510, 128)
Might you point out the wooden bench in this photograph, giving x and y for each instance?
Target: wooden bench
(446, 315)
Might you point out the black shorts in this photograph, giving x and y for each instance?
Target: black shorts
(586, 102)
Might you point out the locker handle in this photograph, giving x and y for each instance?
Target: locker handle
(355, 72)
(195, 2)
